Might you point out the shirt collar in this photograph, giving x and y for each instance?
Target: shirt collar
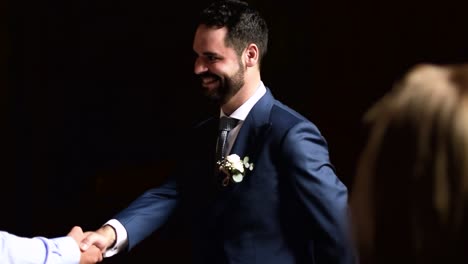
(242, 112)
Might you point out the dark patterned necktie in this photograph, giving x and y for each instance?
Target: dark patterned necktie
(225, 125)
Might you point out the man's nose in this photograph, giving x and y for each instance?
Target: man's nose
(199, 66)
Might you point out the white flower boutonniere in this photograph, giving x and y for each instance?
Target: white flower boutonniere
(234, 168)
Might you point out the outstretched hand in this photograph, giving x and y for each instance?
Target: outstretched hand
(103, 238)
(93, 254)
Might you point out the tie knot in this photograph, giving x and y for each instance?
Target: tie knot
(227, 123)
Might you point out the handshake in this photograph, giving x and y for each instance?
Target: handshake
(93, 244)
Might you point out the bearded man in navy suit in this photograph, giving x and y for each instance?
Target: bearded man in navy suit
(287, 206)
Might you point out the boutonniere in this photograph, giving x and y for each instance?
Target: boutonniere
(234, 168)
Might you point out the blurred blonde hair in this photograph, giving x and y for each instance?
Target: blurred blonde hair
(409, 199)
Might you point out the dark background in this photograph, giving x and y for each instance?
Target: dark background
(92, 92)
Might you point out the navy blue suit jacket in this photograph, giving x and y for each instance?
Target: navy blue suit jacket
(291, 208)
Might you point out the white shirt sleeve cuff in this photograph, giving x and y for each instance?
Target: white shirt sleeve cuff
(121, 239)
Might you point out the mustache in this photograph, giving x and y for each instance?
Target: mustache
(207, 75)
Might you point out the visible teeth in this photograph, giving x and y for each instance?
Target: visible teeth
(209, 80)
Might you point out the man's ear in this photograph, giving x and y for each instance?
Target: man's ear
(251, 55)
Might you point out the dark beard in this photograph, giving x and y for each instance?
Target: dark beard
(227, 89)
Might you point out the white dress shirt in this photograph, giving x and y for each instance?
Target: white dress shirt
(241, 113)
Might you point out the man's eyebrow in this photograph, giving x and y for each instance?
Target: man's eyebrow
(208, 53)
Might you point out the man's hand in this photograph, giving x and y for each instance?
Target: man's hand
(103, 238)
(93, 254)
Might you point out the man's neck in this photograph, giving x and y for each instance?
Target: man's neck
(242, 96)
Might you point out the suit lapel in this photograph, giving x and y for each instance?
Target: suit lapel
(249, 141)
(255, 125)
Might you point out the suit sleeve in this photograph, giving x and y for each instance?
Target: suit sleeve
(322, 196)
(148, 212)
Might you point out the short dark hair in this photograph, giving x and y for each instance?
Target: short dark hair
(244, 24)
